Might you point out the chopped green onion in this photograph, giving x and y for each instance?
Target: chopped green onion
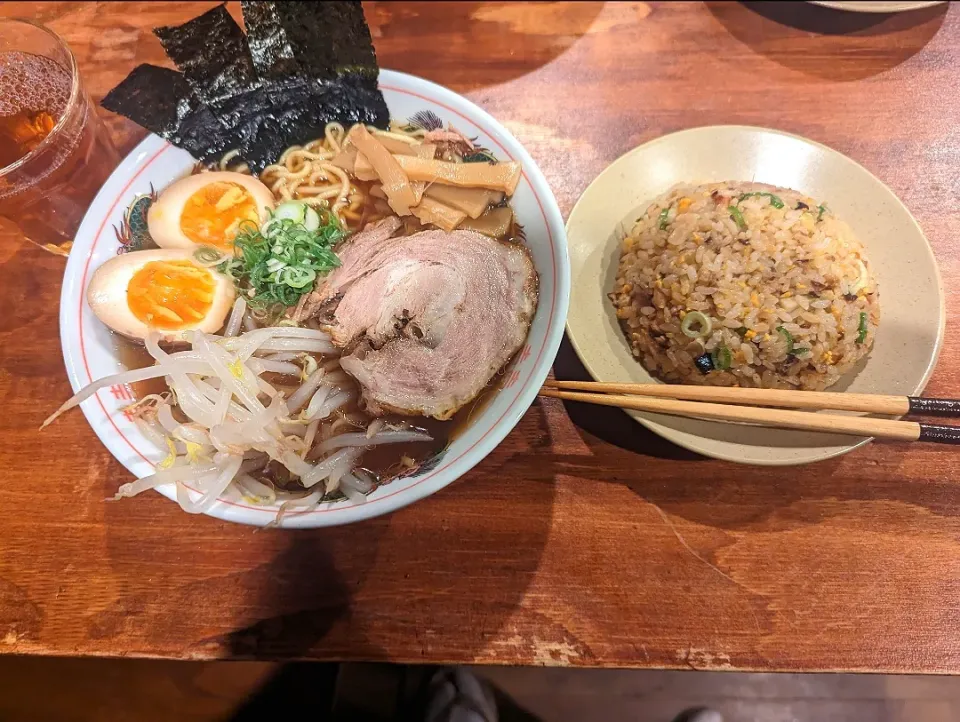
(823, 209)
(774, 200)
(298, 277)
(696, 325)
(208, 254)
(721, 357)
(276, 264)
(311, 219)
(788, 337)
(737, 217)
(664, 218)
(480, 156)
(291, 211)
(862, 329)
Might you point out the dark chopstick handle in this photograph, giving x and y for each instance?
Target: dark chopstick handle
(934, 407)
(940, 434)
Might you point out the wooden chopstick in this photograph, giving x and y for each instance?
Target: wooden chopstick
(778, 418)
(865, 403)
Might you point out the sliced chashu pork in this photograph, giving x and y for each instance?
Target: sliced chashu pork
(428, 319)
(352, 266)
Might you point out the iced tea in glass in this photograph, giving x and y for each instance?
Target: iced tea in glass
(55, 152)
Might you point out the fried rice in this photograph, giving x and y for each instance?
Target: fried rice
(745, 284)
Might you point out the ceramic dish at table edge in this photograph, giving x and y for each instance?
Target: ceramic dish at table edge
(89, 350)
(880, 6)
(911, 293)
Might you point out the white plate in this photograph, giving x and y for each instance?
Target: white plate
(912, 312)
(89, 352)
(877, 6)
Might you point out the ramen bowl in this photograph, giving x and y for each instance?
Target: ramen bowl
(90, 350)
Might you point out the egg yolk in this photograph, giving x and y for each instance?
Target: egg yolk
(171, 294)
(212, 216)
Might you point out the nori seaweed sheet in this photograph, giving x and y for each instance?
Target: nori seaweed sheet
(324, 39)
(350, 39)
(300, 66)
(269, 46)
(160, 100)
(301, 111)
(212, 53)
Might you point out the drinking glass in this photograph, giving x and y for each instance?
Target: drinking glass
(55, 152)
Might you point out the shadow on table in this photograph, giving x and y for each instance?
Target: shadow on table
(286, 592)
(849, 46)
(733, 496)
(736, 497)
(397, 586)
(303, 592)
(480, 43)
(418, 568)
(611, 424)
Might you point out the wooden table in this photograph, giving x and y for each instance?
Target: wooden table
(583, 539)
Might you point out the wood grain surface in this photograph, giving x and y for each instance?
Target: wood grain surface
(583, 539)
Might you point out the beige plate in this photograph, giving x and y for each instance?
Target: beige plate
(869, 6)
(911, 295)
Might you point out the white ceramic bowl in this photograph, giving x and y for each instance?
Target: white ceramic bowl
(89, 351)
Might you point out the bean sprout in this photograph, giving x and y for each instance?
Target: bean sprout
(223, 425)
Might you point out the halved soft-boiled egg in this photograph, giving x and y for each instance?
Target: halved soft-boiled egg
(162, 290)
(207, 209)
